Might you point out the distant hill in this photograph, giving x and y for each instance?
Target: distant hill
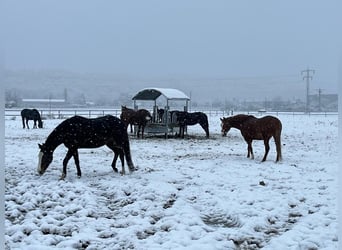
(107, 88)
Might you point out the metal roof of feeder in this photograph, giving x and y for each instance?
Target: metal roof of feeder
(154, 93)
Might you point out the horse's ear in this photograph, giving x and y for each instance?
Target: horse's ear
(40, 146)
(221, 119)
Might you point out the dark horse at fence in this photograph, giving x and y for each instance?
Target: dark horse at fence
(79, 132)
(31, 114)
(138, 117)
(253, 128)
(160, 114)
(184, 119)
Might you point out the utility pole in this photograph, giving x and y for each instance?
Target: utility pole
(307, 77)
(65, 95)
(319, 99)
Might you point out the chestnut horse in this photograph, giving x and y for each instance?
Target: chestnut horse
(253, 128)
(80, 132)
(138, 117)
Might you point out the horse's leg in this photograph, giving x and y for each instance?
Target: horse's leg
(131, 128)
(278, 146)
(77, 163)
(267, 148)
(181, 131)
(34, 123)
(27, 126)
(250, 149)
(65, 163)
(120, 152)
(117, 152)
(138, 133)
(142, 131)
(23, 119)
(114, 160)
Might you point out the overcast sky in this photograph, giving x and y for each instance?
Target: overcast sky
(188, 38)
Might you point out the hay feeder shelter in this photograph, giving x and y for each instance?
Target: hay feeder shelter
(165, 124)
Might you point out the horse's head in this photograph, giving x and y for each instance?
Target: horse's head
(124, 108)
(225, 126)
(40, 124)
(181, 117)
(45, 158)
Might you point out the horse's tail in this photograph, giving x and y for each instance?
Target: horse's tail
(23, 119)
(39, 118)
(277, 139)
(206, 125)
(127, 152)
(40, 123)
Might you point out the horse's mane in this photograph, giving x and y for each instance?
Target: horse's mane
(242, 116)
(239, 118)
(55, 138)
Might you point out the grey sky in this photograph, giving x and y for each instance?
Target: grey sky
(194, 38)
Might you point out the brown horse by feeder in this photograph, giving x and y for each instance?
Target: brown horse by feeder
(253, 128)
(138, 117)
(185, 118)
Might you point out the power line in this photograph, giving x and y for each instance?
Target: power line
(307, 77)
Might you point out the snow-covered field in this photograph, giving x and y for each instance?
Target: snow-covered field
(191, 193)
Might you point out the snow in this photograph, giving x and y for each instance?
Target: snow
(170, 94)
(191, 193)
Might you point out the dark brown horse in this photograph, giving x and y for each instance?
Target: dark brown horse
(253, 128)
(31, 114)
(185, 118)
(138, 117)
(160, 114)
(80, 132)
